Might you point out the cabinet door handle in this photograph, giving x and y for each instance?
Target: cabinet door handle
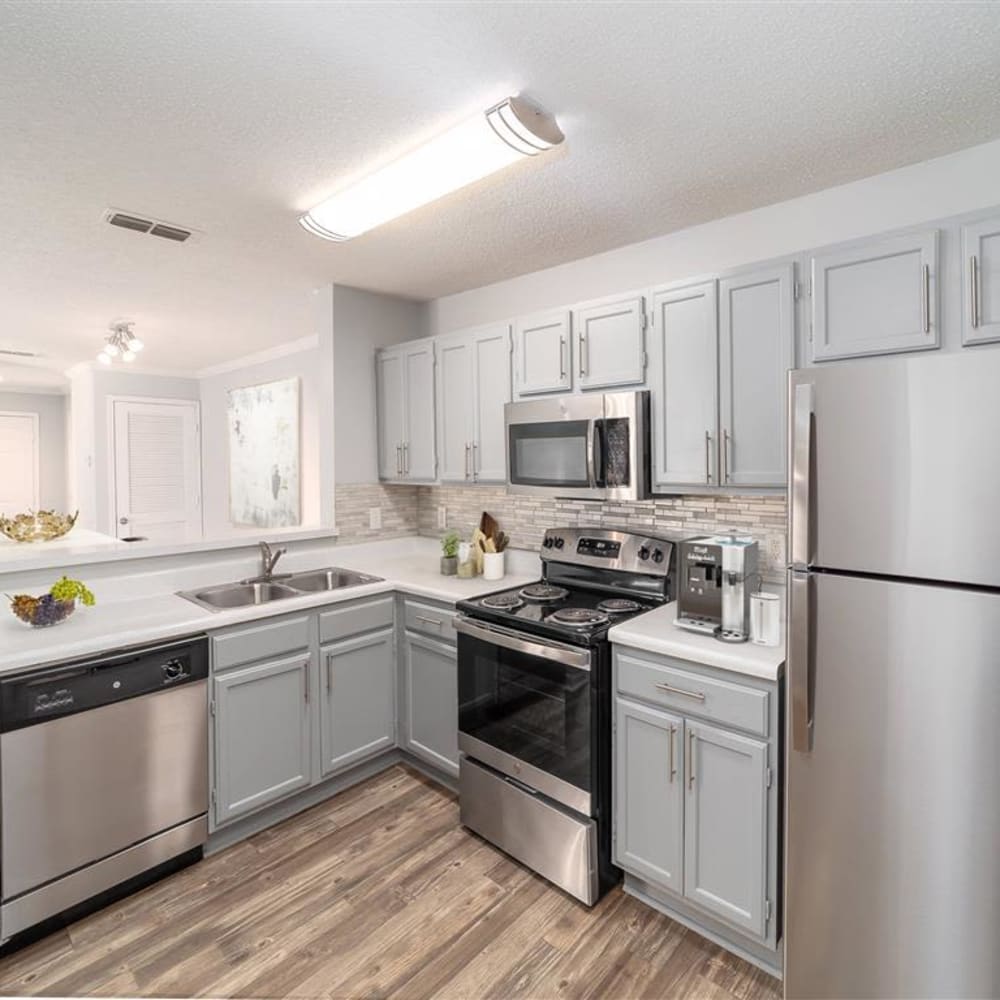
(708, 456)
(329, 671)
(468, 449)
(307, 681)
(562, 357)
(406, 458)
(673, 767)
(690, 757)
(697, 695)
(475, 460)
(399, 460)
(726, 442)
(436, 622)
(925, 300)
(582, 345)
(974, 290)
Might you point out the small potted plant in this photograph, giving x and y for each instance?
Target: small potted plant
(51, 608)
(449, 557)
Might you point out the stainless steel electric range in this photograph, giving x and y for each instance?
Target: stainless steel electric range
(534, 702)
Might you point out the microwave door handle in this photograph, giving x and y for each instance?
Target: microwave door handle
(591, 445)
(598, 452)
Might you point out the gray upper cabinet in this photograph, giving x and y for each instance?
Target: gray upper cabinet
(431, 693)
(455, 408)
(981, 256)
(610, 343)
(261, 734)
(474, 385)
(391, 419)
(725, 820)
(405, 400)
(877, 297)
(683, 341)
(649, 794)
(756, 349)
(419, 447)
(543, 353)
(358, 704)
(491, 380)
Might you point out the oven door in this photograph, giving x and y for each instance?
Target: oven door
(525, 707)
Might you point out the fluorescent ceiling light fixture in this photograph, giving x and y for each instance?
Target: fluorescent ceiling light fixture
(479, 146)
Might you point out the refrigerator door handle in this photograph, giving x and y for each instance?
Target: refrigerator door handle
(800, 661)
(800, 479)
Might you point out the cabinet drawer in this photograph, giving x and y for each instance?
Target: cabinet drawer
(694, 694)
(350, 619)
(259, 642)
(430, 620)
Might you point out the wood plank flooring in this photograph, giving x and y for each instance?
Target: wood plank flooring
(377, 892)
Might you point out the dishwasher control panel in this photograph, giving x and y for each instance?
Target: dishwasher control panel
(58, 690)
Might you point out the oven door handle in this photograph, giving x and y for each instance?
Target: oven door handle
(571, 656)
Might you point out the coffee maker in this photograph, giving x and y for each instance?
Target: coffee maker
(717, 574)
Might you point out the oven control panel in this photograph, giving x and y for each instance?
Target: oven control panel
(602, 548)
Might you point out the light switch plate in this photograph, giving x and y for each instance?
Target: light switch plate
(374, 518)
(442, 516)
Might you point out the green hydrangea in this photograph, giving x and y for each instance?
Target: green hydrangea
(69, 590)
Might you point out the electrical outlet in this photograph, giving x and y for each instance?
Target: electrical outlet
(776, 550)
(442, 516)
(374, 518)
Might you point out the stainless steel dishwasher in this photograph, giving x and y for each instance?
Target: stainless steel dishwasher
(103, 775)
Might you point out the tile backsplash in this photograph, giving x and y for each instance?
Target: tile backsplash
(414, 509)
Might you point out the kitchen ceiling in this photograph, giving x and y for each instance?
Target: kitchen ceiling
(233, 118)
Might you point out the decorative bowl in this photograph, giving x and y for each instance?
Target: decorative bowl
(41, 527)
(41, 612)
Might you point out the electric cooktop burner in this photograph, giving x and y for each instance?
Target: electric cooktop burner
(579, 617)
(543, 592)
(618, 606)
(502, 602)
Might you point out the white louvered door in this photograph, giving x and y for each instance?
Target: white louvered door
(18, 463)
(157, 471)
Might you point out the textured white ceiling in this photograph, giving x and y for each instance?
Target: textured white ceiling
(234, 117)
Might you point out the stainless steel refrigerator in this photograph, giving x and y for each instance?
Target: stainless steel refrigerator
(892, 878)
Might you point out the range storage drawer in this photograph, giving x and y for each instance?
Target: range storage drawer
(662, 683)
(261, 641)
(354, 618)
(430, 619)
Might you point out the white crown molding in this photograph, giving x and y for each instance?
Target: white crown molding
(32, 389)
(129, 369)
(261, 357)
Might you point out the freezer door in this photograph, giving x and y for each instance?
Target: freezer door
(894, 467)
(892, 884)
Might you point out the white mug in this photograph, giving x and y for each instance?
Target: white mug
(493, 568)
(765, 619)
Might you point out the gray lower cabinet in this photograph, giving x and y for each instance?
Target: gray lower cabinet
(262, 738)
(358, 701)
(649, 794)
(696, 811)
(431, 692)
(725, 825)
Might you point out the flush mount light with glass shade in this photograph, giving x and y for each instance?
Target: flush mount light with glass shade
(121, 343)
(473, 149)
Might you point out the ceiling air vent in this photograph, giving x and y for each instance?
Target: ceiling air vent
(10, 353)
(151, 227)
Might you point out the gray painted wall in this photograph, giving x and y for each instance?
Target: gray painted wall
(52, 456)
(362, 322)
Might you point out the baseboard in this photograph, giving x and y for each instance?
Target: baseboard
(751, 951)
(233, 833)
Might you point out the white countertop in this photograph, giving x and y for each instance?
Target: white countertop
(655, 632)
(117, 624)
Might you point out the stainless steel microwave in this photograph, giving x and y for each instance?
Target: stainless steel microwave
(592, 447)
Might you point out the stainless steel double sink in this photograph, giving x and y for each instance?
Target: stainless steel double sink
(280, 587)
